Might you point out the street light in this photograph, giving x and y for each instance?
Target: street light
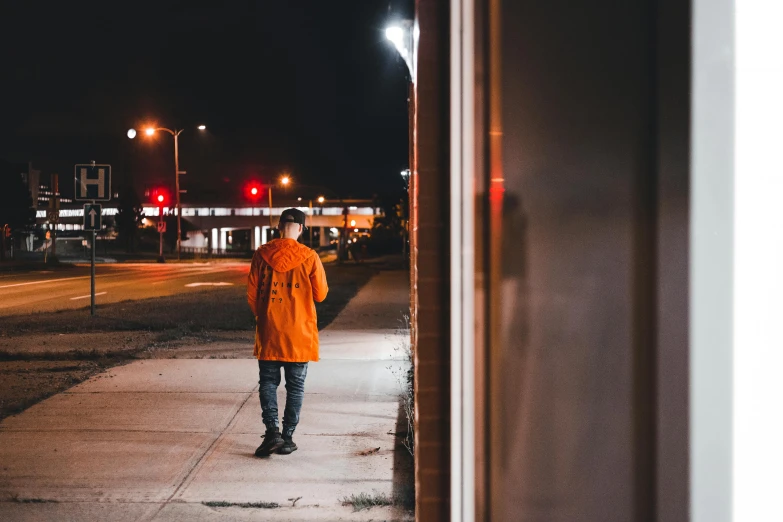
(321, 200)
(406, 176)
(149, 131)
(285, 180)
(402, 37)
(405, 37)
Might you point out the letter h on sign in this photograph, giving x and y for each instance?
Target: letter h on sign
(93, 182)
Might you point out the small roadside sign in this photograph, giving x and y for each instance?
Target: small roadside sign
(92, 217)
(93, 182)
(161, 227)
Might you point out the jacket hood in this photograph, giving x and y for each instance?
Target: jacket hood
(285, 254)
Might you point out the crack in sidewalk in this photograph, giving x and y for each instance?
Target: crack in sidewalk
(197, 465)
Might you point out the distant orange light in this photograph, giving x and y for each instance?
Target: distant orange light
(150, 131)
(285, 180)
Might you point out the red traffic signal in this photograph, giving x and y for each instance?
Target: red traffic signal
(160, 196)
(253, 191)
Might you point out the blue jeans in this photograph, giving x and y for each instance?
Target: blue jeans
(269, 380)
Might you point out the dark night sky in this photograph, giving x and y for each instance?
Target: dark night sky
(310, 87)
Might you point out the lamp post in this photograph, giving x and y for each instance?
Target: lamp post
(149, 131)
(402, 37)
(405, 38)
(285, 180)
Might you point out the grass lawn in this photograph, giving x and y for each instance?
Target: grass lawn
(43, 354)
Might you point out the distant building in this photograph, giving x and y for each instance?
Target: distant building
(40, 191)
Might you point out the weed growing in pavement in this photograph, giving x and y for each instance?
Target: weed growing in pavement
(367, 501)
(261, 505)
(404, 376)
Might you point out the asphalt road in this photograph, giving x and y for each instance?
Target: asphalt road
(46, 291)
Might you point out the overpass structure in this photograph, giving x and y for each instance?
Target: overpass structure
(238, 227)
(221, 227)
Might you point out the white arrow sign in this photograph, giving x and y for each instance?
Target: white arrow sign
(92, 217)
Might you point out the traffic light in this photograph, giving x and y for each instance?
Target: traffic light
(159, 196)
(254, 191)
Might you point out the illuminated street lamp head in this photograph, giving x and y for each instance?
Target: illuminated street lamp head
(402, 36)
(150, 131)
(395, 35)
(131, 133)
(202, 127)
(321, 199)
(285, 180)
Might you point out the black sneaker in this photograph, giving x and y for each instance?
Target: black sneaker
(272, 442)
(288, 447)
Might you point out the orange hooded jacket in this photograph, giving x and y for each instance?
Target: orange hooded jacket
(285, 280)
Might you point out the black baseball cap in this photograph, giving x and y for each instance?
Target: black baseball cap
(293, 215)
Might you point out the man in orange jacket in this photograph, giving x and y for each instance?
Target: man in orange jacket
(286, 279)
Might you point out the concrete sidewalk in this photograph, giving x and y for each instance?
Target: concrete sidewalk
(154, 439)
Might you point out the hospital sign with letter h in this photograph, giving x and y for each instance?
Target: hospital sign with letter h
(93, 182)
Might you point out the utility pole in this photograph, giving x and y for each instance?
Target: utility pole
(54, 203)
(341, 244)
(160, 233)
(92, 274)
(270, 210)
(176, 134)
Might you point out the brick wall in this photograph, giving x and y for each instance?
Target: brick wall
(431, 262)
